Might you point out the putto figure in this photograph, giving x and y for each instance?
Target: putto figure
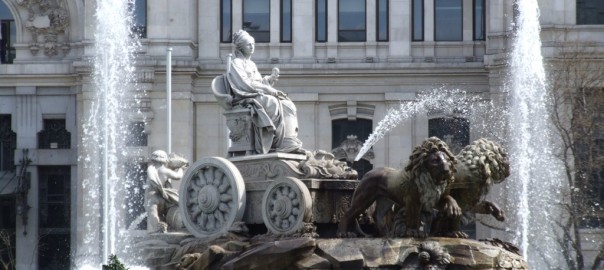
(162, 199)
(274, 114)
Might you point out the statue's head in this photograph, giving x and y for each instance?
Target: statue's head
(159, 156)
(244, 42)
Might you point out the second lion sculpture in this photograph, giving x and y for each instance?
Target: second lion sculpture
(419, 187)
(480, 165)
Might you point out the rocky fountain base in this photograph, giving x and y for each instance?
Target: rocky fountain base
(182, 251)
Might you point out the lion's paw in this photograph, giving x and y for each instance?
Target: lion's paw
(346, 235)
(457, 234)
(415, 233)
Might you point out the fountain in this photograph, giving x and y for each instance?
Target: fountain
(536, 175)
(104, 134)
(113, 70)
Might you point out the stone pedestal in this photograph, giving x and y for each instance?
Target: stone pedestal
(241, 133)
(355, 253)
(157, 248)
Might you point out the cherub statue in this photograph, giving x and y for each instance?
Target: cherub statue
(160, 195)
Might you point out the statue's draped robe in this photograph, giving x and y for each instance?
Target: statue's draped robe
(275, 120)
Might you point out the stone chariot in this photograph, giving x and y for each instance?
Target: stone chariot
(286, 192)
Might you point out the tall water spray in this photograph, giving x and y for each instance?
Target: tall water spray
(534, 175)
(104, 131)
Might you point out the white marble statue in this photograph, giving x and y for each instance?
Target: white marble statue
(160, 195)
(275, 120)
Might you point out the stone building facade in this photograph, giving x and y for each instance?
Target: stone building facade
(344, 63)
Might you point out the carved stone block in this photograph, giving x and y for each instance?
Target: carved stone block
(239, 122)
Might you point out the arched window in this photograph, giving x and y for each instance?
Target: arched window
(8, 35)
(454, 131)
(346, 130)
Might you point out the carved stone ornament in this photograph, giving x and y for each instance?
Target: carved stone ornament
(324, 165)
(350, 148)
(212, 197)
(47, 21)
(314, 165)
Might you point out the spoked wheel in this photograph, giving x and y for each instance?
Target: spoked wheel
(212, 197)
(286, 206)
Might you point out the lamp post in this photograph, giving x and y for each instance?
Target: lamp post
(169, 98)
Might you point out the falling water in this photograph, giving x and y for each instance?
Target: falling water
(535, 176)
(104, 131)
(470, 105)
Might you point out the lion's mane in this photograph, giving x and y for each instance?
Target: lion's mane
(416, 171)
(485, 161)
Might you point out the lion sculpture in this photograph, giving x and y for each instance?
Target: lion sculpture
(419, 187)
(480, 165)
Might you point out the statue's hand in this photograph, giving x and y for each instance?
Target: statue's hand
(281, 95)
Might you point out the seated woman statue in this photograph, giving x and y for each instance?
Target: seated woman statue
(274, 114)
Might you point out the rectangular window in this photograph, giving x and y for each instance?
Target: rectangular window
(321, 20)
(8, 225)
(448, 20)
(136, 134)
(382, 20)
(9, 35)
(590, 12)
(286, 20)
(54, 135)
(257, 19)
(54, 215)
(417, 17)
(479, 19)
(351, 21)
(140, 18)
(226, 21)
(8, 143)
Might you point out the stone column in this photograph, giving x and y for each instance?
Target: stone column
(275, 29)
(400, 30)
(88, 223)
(208, 26)
(332, 28)
(26, 125)
(370, 28)
(429, 28)
(468, 27)
(237, 14)
(303, 36)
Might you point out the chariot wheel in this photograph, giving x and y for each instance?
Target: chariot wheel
(286, 206)
(212, 197)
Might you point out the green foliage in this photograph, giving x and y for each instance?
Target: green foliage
(114, 264)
